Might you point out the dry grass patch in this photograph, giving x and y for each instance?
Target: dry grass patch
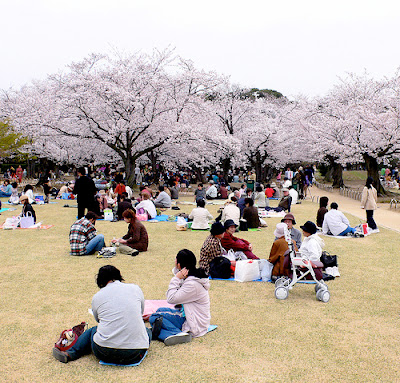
(353, 338)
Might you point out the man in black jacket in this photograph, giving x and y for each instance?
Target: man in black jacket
(86, 190)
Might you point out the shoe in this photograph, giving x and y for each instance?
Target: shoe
(135, 253)
(62, 356)
(358, 235)
(156, 329)
(182, 337)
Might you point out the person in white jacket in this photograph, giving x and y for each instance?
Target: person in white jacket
(200, 216)
(369, 199)
(189, 289)
(336, 223)
(231, 211)
(311, 247)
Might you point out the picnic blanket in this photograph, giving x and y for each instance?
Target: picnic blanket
(4, 209)
(159, 218)
(37, 226)
(350, 236)
(271, 214)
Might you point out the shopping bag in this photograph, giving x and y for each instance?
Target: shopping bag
(247, 270)
(265, 270)
(26, 220)
(108, 215)
(11, 223)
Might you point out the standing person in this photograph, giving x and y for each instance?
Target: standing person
(137, 172)
(83, 237)
(137, 239)
(46, 191)
(188, 288)
(121, 336)
(369, 199)
(19, 173)
(86, 190)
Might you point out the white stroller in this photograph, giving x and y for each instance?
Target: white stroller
(301, 267)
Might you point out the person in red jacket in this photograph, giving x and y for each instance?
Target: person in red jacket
(228, 241)
(120, 189)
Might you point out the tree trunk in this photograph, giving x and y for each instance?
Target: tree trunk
(129, 162)
(373, 171)
(336, 172)
(226, 165)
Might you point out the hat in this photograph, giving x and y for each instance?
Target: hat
(217, 228)
(309, 227)
(102, 192)
(280, 230)
(211, 182)
(228, 223)
(289, 216)
(273, 185)
(285, 189)
(23, 197)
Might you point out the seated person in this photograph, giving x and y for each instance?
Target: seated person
(200, 216)
(147, 205)
(5, 189)
(229, 241)
(136, 240)
(212, 192)
(28, 191)
(174, 192)
(188, 288)
(250, 214)
(83, 237)
(123, 204)
(64, 189)
(277, 193)
(27, 207)
(223, 191)
(286, 183)
(279, 250)
(259, 198)
(294, 194)
(121, 336)
(200, 192)
(323, 204)
(294, 233)
(102, 200)
(211, 247)
(231, 212)
(14, 198)
(286, 200)
(336, 223)
(163, 200)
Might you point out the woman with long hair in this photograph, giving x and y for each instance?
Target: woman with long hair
(189, 290)
(369, 199)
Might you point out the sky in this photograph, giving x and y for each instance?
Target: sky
(297, 47)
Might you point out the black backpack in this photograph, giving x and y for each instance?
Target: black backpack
(220, 267)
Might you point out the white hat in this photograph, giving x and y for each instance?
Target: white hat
(280, 229)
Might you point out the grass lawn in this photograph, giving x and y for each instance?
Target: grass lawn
(353, 338)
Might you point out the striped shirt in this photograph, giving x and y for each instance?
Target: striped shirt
(82, 231)
(211, 249)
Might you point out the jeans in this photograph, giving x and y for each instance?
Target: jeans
(172, 321)
(85, 345)
(95, 244)
(370, 219)
(2, 194)
(348, 230)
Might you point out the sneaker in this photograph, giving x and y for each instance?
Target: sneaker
(135, 253)
(358, 235)
(62, 356)
(182, 337)
(156, 329)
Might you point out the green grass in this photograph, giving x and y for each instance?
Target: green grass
(353, 338)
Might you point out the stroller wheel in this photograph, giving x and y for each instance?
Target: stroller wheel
(321, 285)
(323, 295)
(280, 282)
(281, 292)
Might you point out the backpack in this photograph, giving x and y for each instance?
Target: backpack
(220, 267)
(69, 337)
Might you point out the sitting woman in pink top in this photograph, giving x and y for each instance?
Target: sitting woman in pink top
(188, 290)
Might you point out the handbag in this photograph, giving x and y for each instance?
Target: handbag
(69, 337)
(328, 260)
(27, 220)
(108, 215)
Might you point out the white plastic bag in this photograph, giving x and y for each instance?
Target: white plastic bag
(27, 220)
(11, 223)
(247, 271)
(266, 269)
(108, 215)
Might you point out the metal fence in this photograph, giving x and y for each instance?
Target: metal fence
(344, 191)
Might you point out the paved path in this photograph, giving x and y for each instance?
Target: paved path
(384, 216)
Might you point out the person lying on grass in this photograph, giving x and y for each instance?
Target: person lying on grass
(121, 336)
(136, 239)
(189, 289)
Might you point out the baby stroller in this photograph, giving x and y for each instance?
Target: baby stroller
(301, 267)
